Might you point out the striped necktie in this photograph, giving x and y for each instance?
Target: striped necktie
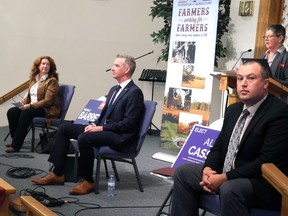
(234, 142)
(110, 103)
(118, 87)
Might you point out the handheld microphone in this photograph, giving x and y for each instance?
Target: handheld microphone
(249, 50)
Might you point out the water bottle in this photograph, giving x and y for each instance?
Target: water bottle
(111, 186)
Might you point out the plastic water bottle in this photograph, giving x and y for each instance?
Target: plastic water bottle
(111, 186)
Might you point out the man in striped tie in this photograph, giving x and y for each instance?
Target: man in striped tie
(233, 167)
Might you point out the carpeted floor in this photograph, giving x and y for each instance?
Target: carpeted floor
(129, 200)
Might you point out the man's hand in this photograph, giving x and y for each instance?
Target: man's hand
(211, 181)
(93, 128)
(216, 181)
(205, 183)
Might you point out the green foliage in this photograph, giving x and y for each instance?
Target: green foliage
(163, 9)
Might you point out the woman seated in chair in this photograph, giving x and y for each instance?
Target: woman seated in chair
(41, 100)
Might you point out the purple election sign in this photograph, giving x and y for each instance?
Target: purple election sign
(196, 146)
(90, 112)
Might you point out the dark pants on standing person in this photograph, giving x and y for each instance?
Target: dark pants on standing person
(86, 142)
(236, 196)
(19, 123)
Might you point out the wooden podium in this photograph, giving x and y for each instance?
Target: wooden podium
(228, 79)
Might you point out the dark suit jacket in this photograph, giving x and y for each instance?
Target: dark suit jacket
(279, 67)
(264, 141)
(124, 115)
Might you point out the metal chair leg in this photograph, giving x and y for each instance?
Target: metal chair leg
(97, 178)
(115, 170)
(7, 136)
(76, 160)
(106, 168)
(33, 138)
(137, 175)
(160, 211)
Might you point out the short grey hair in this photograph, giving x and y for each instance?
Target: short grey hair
(129, 61)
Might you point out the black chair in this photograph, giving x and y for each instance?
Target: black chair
(107, 153)
(129, 156)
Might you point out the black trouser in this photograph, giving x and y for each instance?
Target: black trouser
(236, 195)
(86, 142)
(19, 123)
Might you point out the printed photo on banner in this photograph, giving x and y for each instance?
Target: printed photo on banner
(187, 121)
(182, 109)
(192, 80)
(179, 99)
(183, 52)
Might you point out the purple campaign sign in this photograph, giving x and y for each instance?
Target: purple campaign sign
(90, 112)
(196, 146)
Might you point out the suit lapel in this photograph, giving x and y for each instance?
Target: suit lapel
(257, 117)
(122, 93)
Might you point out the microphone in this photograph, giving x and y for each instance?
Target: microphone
(249, 50)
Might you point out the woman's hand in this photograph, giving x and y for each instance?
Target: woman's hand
(25, 106)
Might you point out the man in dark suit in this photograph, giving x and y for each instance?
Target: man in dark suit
(117, 127)
(237, 179)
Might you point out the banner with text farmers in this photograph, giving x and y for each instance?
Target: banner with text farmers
(188, 89)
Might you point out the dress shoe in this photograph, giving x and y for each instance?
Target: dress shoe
(49, 179)
(8, 145)
(11, 150)
(84, 187)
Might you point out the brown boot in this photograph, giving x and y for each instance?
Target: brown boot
(11, 150)
(49, 179)
(84, 187)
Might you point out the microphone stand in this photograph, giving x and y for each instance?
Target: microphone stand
(240, 57)
(137, 58)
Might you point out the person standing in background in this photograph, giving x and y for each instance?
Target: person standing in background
(42, 100)
(276, 54)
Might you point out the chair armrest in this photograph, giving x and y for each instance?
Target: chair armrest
(9, 189)
(279, 181)
(35, 207)
(276, 178)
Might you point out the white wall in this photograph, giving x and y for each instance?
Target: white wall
(83, 37)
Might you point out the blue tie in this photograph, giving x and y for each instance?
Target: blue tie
(109, 106)
(234, 142)
(111, 101)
